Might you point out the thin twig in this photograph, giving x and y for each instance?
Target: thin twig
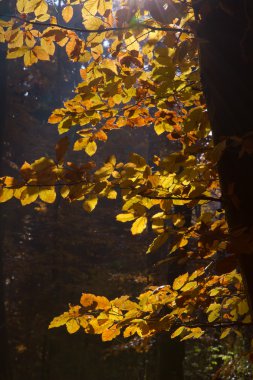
(114, 29)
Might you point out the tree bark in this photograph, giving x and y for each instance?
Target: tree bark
(5, 371)
(226, 59)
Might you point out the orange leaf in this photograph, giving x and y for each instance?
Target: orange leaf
(110, 333)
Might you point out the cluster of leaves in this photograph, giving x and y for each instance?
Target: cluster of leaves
(135, 72)
(162, 308)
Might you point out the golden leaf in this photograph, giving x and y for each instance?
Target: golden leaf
(29, 195)
(67, 13)
(178, 332)
(158, 242)
(41, 53)
(180, 281)
(91, 148)
(189, 286)
(127, 217)
(110, 333)
(214, 312)
(87, 299)
(30, 58)
(139, 225)
(72, 326)
(61, 320)
(129, 331)
(90, 203)
(225, 332)
(47, 194)
(5, 194)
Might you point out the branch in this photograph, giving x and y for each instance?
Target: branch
(200, 198)
(203, 198)
(214, 325)
(99, 31)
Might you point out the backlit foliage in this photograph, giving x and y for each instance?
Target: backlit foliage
(138, 70)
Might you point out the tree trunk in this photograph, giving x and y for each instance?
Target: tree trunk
(226, 60)
(5, 371)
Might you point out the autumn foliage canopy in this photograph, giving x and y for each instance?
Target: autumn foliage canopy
(140, 69)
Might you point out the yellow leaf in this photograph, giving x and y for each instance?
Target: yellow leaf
(67, 13)
(112, 194)
(90, 203)
(110, 333)
(225, 332)
(16, 53)
(43, 18)
(21, 6)
(91, 148)
(41, 53)
(5, 194)
(183, 242)
(158, 242)
(72, 326)
(214, 312)
(180, 281)
(139, 225)
(30, 58)
(177, 332)
(97, 51)
(48, 46)
(47, 194)
(189, 286)
(129, 331)
(93, 23)
(243, 307)
(127, 217)
(29, 195)
(102, 303)
(90, 7)
(87, 299)
(41, 8)
(61, 320)
(195, 333)
(197, 273)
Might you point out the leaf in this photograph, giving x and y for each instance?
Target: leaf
(225, 332)
(189, 286)
(243, 307)
(41, 53)
(110, 334)
(178, 332)
(180, 281)
(90, 203)
(67, 13)
(130, 330)
(195, 332)
(59, 321)
(72, 326)
(5, 194)
(91, 148)
(127, 217)
(158, 242)
(139, 225)
(87, 299)
(214, 312)
(47, 194)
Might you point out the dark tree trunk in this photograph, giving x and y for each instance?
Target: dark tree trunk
(226, 59)
(5, 372)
